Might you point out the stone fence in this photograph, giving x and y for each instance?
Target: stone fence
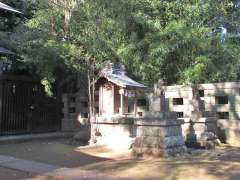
(206, 101)
(206, 110)
(74, 111)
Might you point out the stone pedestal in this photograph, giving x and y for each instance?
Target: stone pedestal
(158, 137)
(159, 133)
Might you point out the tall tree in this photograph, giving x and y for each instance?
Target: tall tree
(169, 40)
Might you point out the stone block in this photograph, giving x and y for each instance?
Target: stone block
(65, 111)
(186, 114)
(149, 141)
(222, 108)
(157, 137)
(174, 131)
(73, 116)
(206, 136)
(194, 133)
(159, 131)
(154, 103)
(217, 86)
(83, 134)
(176, 150)
(151, 131)
(154, 115)
(219, 92)
(195, 116)
(70, 125)
(115, 136)
(149, 151)
(235, 107)
(233, 115)
(209, 114)
(181, 108)
(233, 136)
(64, 97)
(178, 94)
(229, 131)
(160, 152)
(209, 100)
(229, 127)
(174, 141)
(72, 104)
(115, 120)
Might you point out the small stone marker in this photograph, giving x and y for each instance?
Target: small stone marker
(201, 130)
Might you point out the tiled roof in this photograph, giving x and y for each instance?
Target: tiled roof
(8, 8)
(116, 74)
(5, 51)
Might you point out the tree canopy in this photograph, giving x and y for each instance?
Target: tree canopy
(176, 41)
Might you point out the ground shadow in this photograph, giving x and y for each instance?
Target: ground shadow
(59, 152)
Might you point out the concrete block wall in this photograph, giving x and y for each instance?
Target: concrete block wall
(75, 111)
(227, 110)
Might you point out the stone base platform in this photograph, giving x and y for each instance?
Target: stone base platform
(159, 138)
(116, 132)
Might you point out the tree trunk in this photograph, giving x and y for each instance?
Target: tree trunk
(53, 26)
(89, 95)
(93, 95)
(67, 17)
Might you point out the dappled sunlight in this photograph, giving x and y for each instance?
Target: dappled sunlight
(115, 136)
(104, 152)
(221, 163)
(150, 169)
(204, 164)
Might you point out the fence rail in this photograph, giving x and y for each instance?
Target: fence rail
(25, 108)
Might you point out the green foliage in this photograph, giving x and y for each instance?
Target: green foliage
(155, 39)
(171, 42)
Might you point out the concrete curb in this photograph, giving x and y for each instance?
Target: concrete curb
(30, 137)
(47, 171)
(26, 165)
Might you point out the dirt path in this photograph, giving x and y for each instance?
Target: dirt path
(10, 174)
(222, 163)
(59, 152)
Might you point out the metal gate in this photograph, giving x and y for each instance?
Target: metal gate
(25, 108)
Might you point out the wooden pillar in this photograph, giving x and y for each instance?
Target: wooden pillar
(135, 103)
(121, 92)
(113, 99)
(100, 100)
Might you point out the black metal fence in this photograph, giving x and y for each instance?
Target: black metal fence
(25, 108)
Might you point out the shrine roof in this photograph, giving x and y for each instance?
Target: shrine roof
(5, 51)
(117, 75)
(8, 8)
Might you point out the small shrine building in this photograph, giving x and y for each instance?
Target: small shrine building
(117, 92)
